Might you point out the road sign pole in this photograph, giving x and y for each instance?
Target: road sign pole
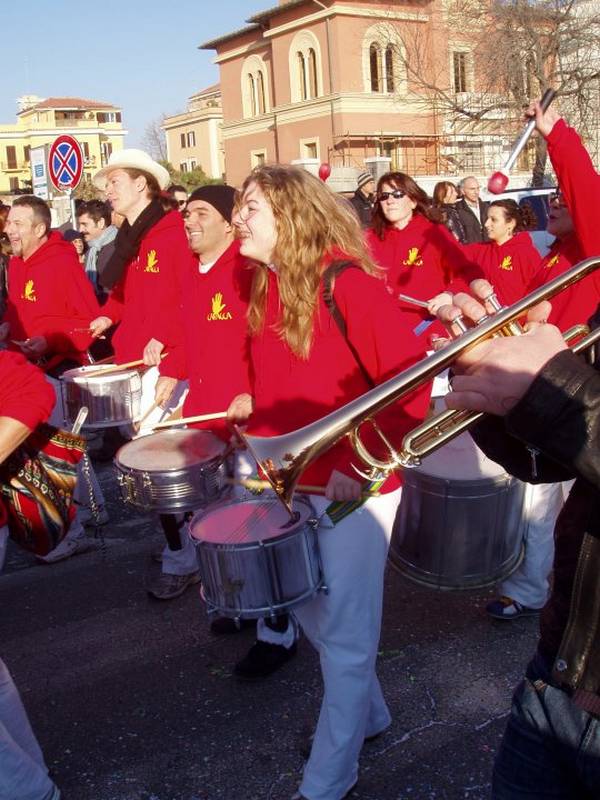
(71, 197)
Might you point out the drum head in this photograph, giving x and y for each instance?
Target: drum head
(81, 375)
(247, 521)
(170, 450)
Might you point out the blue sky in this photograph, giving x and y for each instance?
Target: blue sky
(127, 52)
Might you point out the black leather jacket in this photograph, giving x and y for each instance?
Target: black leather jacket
(554, 435)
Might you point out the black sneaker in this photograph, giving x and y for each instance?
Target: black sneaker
(225, 626)
(262, 660)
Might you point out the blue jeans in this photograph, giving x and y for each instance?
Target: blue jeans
(550, 749)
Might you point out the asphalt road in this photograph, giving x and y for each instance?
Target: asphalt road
(133, 699)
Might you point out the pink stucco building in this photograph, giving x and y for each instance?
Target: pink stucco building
(327, 81)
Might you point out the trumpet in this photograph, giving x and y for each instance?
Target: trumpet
(282, 459)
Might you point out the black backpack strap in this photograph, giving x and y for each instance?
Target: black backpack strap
(329, 276)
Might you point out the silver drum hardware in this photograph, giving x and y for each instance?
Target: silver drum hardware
(254, 560)
(111, 400)
(170, 471)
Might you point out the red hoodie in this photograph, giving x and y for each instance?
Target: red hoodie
(49, 295)
(290, 392)
(216, 335)
(511, 268)
(421, 260)
(25, 395)
(146, 301)
(580, 184)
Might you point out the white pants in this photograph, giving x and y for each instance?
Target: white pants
(344, 627)
(23, 773)
(528, 585)
(150, 418)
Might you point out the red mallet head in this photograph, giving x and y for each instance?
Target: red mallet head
(497, 183)
(324, 171)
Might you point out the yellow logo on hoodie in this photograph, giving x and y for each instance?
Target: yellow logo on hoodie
(152, 262)
(554, 260)
(218, 309)
(29, 292)
(414, 258)
(506, 263)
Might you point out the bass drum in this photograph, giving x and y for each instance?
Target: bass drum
(461, 522)
(255, 561)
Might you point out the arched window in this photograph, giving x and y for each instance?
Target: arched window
(312, 72)
(260, 92)
(389, 68)
(305, 63)
(252, 94)
(301, 75)
(384, 60)
(375, 67)
(255, 87)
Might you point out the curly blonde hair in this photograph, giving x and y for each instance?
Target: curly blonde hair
(311, 223)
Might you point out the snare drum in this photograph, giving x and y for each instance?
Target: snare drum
(112, 400)
(170, 471)
(253, 561)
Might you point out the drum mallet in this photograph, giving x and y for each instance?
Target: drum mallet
(499, 180)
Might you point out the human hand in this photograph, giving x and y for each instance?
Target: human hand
(441, 299)
(99, 325)
(341, 487)
(152, 353)
(34, 347)
(240, 408)
(544, 120)
(163, 390)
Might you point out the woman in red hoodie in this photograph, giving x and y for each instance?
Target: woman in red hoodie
(419, 254)
(304, 366)
(509, 260)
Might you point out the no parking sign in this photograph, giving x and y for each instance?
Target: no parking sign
(65, 163)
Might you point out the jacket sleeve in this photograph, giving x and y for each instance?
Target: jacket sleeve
(80, 306)
(25, 394)
(459, 268)
(113, 308)
(579, 182)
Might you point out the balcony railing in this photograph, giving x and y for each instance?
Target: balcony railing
(12, 166)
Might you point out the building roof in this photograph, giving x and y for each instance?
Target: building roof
(69, 102)
(262, 16)
(214, 43)
(209, 90)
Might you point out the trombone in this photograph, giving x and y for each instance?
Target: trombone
(283, 458)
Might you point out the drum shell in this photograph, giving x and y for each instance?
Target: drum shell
(170, 490)
(111, 401)
(261, 579)
(452, 533)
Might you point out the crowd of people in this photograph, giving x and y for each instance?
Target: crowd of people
(279, 304)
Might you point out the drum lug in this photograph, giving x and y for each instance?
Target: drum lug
(126, 485)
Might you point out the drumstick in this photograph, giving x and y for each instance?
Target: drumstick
(185, 420)
(254, 484)
(117, 367)
(137, 425)
(413, 300)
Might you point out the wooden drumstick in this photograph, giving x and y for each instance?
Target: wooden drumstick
(109, 368)
(185, 420)
(255, 484)
(138, 424)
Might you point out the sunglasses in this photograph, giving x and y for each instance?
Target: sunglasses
(181, 203)
(397, 194)
(557, 198)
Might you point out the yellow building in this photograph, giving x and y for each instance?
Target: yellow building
(97, 127)
(194, 137)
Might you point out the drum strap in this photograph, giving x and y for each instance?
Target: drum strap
(337, 510)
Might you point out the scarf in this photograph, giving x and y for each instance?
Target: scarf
(94, 247)
(128, 241)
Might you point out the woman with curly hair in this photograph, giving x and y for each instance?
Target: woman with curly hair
(510, 260)
(409, 240)
(445, 195)
(306, 363)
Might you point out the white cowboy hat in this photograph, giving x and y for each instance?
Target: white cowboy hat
(132, 159)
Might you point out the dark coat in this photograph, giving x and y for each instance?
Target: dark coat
(556, 427)
(363, 207)
(474, 231)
